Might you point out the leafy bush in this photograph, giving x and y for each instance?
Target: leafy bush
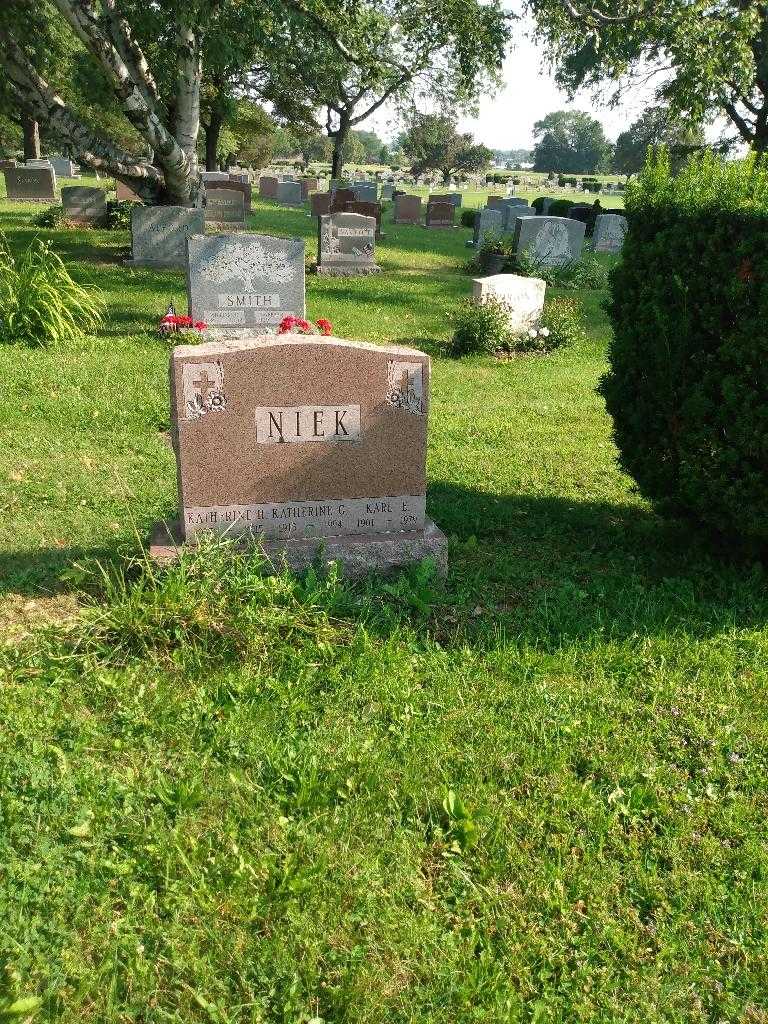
(40, 304)
(688, 381)
(118, 214)
(560, 324)
(588, 272)
(51, 217)
(494, 244)
(560, 208)
(468, 218)
(480, 328)
(538, 205)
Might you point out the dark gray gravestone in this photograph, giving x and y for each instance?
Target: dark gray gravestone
(365, 192)
(609, 232)
(31, 184)
(224, 206)
(487, 221)
(440, 215)
(346, 245)
(159, 234)
(552, 241)
(407, 209)
(244, 281)
(84, 205)
(289, 193)
(268, 187)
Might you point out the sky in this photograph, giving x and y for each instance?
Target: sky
(505, 121)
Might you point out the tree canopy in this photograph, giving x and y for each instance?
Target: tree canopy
(657, 126)
(433, 143)
(571, 142)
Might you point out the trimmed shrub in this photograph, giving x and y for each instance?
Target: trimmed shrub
(538, 204)
(688, 381)
(560, 208)
(468, 218)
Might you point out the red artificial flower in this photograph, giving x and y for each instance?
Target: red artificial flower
(201, 325)
(326, 327)
(303, 325)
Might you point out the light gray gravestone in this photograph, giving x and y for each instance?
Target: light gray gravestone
(30, 184)
(552, 241)
(159, 234)
(224, 206)
(523, 297)
(240, 281)
(84, 205)
(511, 213)
(387, 192)
(610, 229)
(214, 176)
(289, 193)
(64, 167)
(346, 245)
(311, 447)
(486, 222)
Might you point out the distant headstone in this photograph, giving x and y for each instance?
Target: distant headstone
(159, 234)
(407, 209)
(64, 167)
(487, 222)
(240, 178)
(224, 206)
(289, 193)
(313, 448)
(214, 176)
(268, 187)
(552, 241)
(245, 281)
(43, 162)
(610, 229)
(340, 197)
(455, 198)
(7, 165)
(523, 297)
(494, 201)
(126, 194)
(511, 213)
(440, 215)
(387, 192)
(367, 210)
(365, 192)
(84, 205)
(30, 184)
(346, 245)
(236, 186)
(308, 185)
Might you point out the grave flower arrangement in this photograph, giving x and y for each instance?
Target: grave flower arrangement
(296, 325)
(173, 324)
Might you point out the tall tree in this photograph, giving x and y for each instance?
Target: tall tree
(657, 126)
(433, 143)
(570, 142)
(709, 57)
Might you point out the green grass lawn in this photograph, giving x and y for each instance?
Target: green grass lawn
(535, 793)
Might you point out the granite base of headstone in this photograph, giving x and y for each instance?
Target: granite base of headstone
(313, 450)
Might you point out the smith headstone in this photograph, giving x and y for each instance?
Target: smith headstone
(239, 282)
(309, 447)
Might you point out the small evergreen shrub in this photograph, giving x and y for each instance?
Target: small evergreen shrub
(538, 205)
(687, 385)
(52, 217)
(479, 328)
(40, 304)
(560, 208)
(468, 218)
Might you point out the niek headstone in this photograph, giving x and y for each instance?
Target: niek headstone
(243, 281)
(84, 205)
(340, 197)
(159, 234)
(224, 206)
(214, 176)
(367, 210)
(610, 229)
(310, 447)
(64, 167)
(440, 215)
(320, 204)
(523, 297)
(289, 193)
(346, 245)
(126, 194)
(268, 187)
(487, 222)
(407, 209)
(552, 241)
(30, 184)
(308, 185)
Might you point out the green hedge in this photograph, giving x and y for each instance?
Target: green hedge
(560, 208)
(688, 381)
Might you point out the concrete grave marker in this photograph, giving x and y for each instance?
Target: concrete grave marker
(440, 215)
(311, 447)
(407, 209)
(30, 184)
(224, 206)
(346, 245)
(486, 222)
(320, 204)
(609, 232)
(159, 234)
(84, 205)
(523, 297)
(268, 187)
(64, 167)
(553, 241)
(244, 281)
(289, 193)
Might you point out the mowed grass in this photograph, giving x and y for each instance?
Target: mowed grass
(535, 792)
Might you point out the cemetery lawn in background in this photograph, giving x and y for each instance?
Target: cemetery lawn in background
(536, 792)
